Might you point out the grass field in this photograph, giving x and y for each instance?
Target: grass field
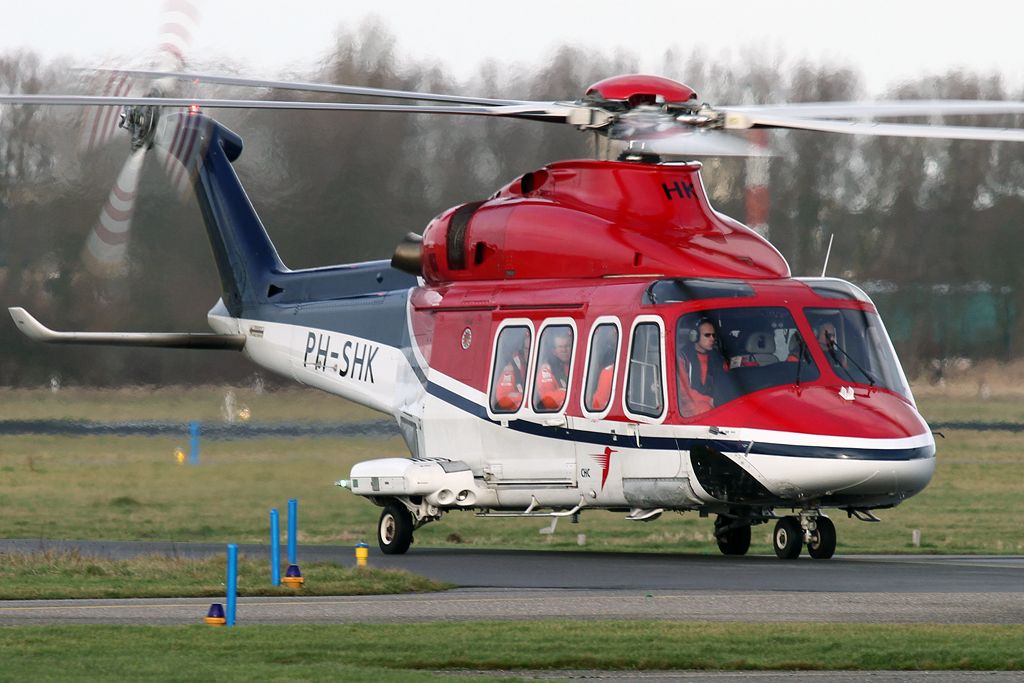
(102, 487)
(405, 652)
(37, 576)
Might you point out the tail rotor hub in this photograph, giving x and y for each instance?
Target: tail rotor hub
(140, 121)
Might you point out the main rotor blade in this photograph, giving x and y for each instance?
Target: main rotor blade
(691, 143)
(880, 109)
(557, 112)
(332, 88)
(736, 121)
(100, 123)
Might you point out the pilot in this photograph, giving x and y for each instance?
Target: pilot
(509, 390)
(553, 376)
(699, 363)
(826, 334)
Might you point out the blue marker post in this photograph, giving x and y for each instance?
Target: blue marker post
(275, 549)
(232, 583)
(293, 524)
(193, 453)
(293, 575)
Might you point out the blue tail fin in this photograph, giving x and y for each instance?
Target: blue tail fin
(251, 273)
(246, 258)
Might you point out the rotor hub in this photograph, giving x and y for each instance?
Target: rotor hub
(624, 93)
(140, 121)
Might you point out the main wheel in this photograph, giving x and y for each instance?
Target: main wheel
(735, 541)
(394, 530)
(788, 538)
(823, 541)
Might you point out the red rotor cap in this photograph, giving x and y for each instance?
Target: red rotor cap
(637, 89)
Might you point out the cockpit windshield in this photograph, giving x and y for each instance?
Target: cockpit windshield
(857, 347)
(722, 354)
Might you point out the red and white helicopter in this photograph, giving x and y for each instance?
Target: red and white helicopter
(594, 335)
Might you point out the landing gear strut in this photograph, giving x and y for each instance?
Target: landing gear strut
(812, 528)
(823, 539)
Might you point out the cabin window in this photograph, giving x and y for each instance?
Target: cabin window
(722, 354)
(644, 391)
(604, 343)
(553, 365)
(508, 377)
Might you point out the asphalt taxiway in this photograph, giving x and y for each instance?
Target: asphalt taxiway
(497, 584)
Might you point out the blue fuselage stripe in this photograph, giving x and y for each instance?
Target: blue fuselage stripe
(683, 444)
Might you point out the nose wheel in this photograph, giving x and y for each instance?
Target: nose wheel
(788, 538)
(823, 539)
(816, 530)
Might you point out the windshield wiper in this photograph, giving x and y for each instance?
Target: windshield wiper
(805, 354)
(833, 346)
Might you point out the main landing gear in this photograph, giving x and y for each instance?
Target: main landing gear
(733, 535)
(401, 516)
(394, 530)
(810, 527)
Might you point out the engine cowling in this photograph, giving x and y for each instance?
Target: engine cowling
(593, 219)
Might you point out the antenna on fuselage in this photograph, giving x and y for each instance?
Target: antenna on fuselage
(828, 252)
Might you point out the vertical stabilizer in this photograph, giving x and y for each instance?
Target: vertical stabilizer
(246, 258)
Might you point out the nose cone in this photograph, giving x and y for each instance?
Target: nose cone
(831, 446)
(836, 411)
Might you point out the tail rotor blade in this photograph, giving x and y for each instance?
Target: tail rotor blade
(179, 147)
(104, 252)
(179, 21)
(100, 123)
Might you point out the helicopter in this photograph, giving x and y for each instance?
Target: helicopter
(592, 336)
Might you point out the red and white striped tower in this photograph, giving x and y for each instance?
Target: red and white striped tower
(757, 184)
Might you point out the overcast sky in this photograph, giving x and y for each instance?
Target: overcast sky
(888, 40)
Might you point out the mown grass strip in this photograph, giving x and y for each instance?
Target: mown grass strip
(55, 575)
(398, 651)
(131, 488)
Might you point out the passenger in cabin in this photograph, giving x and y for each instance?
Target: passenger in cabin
(699, 364)
(603, 392)
(509, 390)
(553, 376)
(796, 348)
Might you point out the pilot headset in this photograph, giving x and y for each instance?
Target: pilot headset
(695, 332)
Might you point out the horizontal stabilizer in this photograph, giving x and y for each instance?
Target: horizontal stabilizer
(35, 330)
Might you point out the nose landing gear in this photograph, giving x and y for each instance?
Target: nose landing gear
(822, 544)
(787, 538)
(810, 528)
